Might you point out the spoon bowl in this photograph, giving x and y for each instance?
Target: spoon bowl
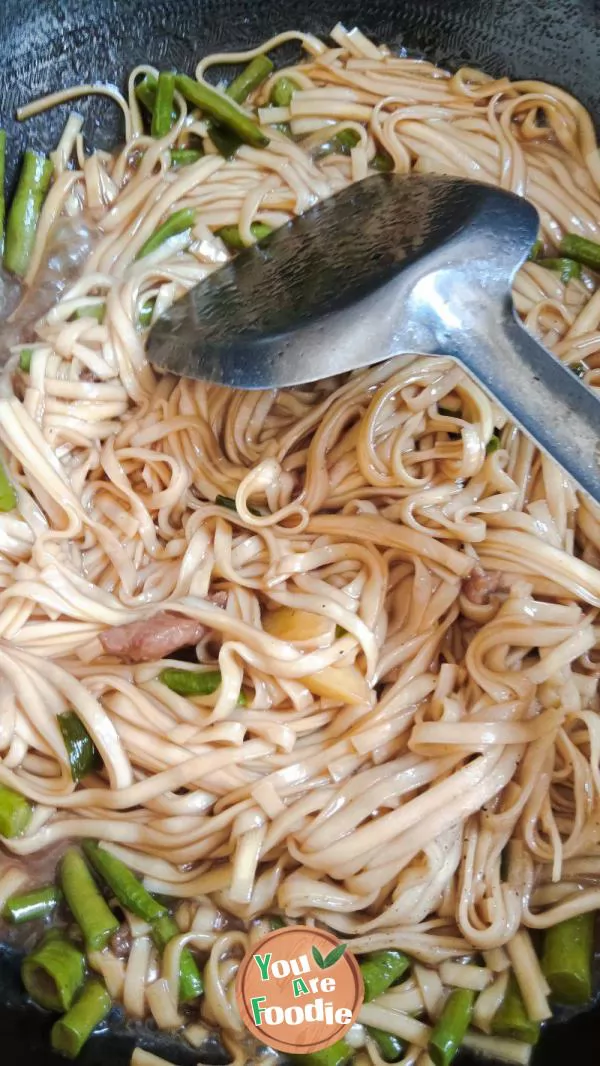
(390, 265)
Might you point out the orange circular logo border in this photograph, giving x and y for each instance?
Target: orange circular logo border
(251, 984)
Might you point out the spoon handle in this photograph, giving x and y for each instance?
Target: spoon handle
(542, 395)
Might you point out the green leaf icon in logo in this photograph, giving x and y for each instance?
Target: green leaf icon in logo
(329, 960)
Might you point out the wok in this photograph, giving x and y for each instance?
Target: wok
(50, 44)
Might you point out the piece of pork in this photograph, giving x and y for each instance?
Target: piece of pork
(480, 585)
(156, 637)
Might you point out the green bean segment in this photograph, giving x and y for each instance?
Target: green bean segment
(2, 200)
(8, 496)
(128, 889)
(567, 268)
(451, 1026)
(15, 809)
(39, 903)
(232, 238)
(53, 973)
(511, 1018)
(218, 107)
(81, 750)
(390, 1047)
(23, 216)
(190, 978)
(335, 1055)
(581, 249)
(382, 969)
(91, 1007)
(189, 682)
(162, 113)
(567, 959)
(92, 914)
(177, 223)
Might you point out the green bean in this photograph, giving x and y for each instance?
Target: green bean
(567, 268)
(579, 369)
(227, 501)
(2, 200)
(190, 978)
(219, 108)
(15, 809)
(536, 248)
(342, 143)
(567, 959)
(146, 312)
(38, 903)
(190, 683)
(231, 236)
(580, 248)
(283, 91)
(335, 1055)
(250, 79)
(8, 496)
(178, 222)
(24, 213)
(162, 114)
(381, 969)
(276, 922)
(493, 444)
(81, 750)
(182, 157)
(451, 1026)
(92, 914)
(511, 1018)
(53, 973)
(390, 1047)
(145, 91)
(96, 311)
(128, 889)
(382, 163)
(91, 1007)
(25, 359)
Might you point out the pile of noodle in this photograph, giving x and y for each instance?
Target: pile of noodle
(448, 797)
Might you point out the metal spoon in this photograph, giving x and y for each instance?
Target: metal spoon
(392, 264)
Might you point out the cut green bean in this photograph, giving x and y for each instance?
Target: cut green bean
(218, 107)
(128, 889)
(190, 683)
(91, 1007)
(276, 922)
(162, 113)
(25, 359)
(24, 213)
(335, 1055)
(390, 1047)
(96, 311)
(250, 79)
(536, 248)
(579, 369)
(8, 496)
(178, 222)
(91, 912)
(53, 973)
(493, 444)
(145, 91)
(451, 1026)
(2, 175)
(381, 969)
(229, 502)
(283, 91)
(190, 978)
(382, 163)
(232, 238)
(15, 809)
(580, 248)
(511, 1018)
(81, 750)
(146, 313)
(39, 903)
(341, 143)
(182, 157)
(567, 268)
(567, 959)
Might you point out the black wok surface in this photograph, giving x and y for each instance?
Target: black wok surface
(50, 44)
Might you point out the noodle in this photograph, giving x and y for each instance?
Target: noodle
(404, 619)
